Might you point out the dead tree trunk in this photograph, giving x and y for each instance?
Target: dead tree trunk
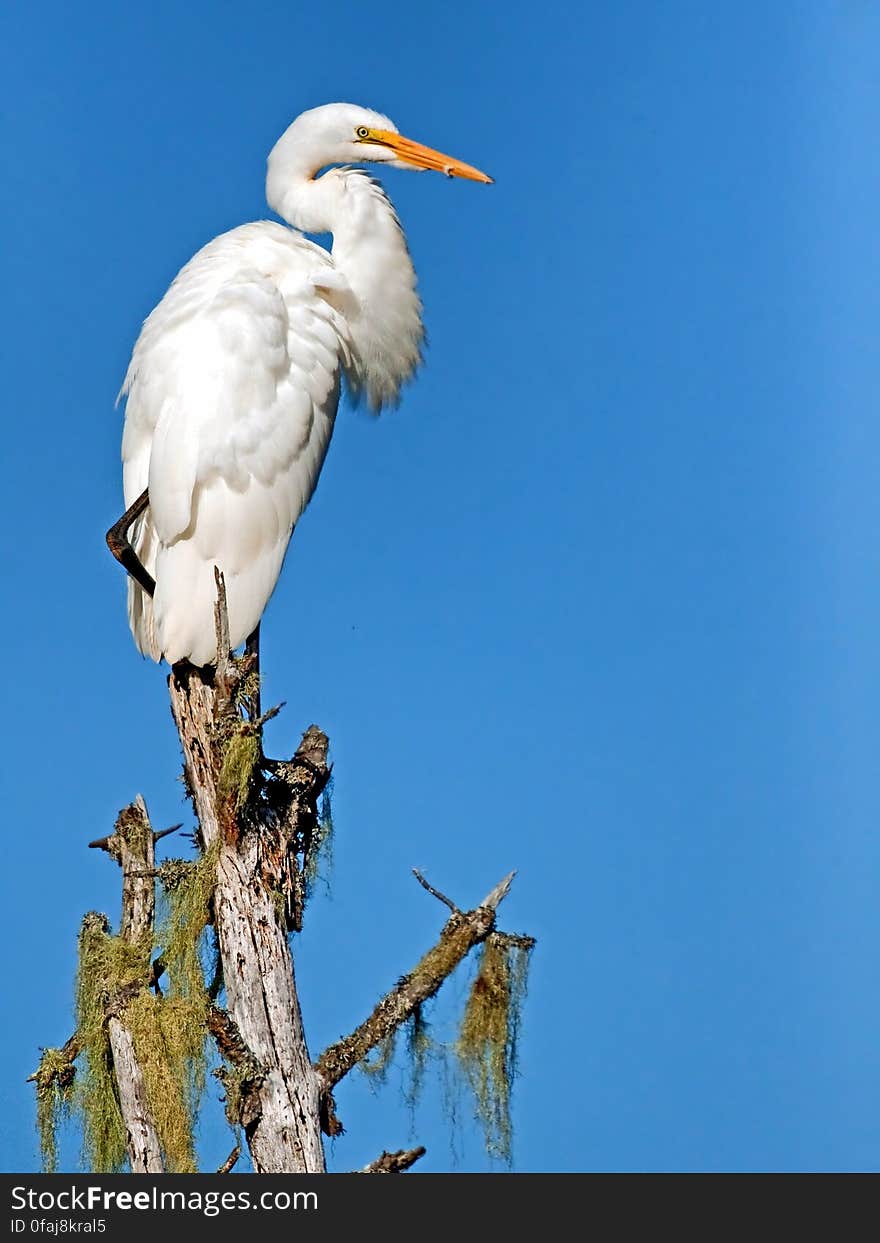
(133, 847)
(142, 1140)
(256, 841)
(258, 829)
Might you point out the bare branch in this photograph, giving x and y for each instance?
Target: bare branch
(157, 837)
(230, 1160)
(441, 897)
(268, 715)
(393, 1162)
(221, 626)
(497, 895)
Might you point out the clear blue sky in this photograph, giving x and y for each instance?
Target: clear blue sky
(601, 602)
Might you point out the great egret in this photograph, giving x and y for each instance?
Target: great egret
(234, 380)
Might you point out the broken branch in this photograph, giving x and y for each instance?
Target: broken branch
(157, 837)
(441, 897)
(393, 1162)
(44, 1077)
(462, 931)
(230, 1160)
(221, 624)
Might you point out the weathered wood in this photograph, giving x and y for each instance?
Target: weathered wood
(282, 1120)
(261, 996)
(137, 859)
(435, 893)
(142, 1140)
(132, 845)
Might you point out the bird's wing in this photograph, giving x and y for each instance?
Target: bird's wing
(232, 396)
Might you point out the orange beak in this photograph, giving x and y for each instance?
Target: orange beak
(418, 156)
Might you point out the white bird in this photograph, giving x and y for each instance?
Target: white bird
(233, 385)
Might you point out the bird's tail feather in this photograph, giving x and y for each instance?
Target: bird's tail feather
(140, 606)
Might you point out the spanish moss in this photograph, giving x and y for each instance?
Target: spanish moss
(487, 1042)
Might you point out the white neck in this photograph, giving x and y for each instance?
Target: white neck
(370, 251)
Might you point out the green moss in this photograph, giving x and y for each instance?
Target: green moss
(106, 965)
(55, 1082)
(279, 903)
(241, 755)
(419, 1047)
(189, 891)
(487, 1041)
(247, 693)
(173, 872)
(319, 857)
(442, 959)
(378, 1065)
(231, 1081)
(132, 825)
(168, 1035)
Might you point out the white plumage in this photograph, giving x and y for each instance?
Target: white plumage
(234, 381)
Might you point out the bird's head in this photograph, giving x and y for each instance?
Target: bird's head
(349, 134)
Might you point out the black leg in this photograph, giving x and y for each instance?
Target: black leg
(117, 542)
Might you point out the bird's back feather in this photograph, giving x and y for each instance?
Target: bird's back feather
(231, 393)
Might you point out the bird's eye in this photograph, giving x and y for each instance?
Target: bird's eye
(362, 131)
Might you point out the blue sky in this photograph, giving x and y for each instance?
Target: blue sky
(600, 602)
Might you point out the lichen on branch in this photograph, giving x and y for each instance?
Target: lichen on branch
(54, 1078)
(108, 966)
(188, 887)
(170, 1043)
(487, 1041)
